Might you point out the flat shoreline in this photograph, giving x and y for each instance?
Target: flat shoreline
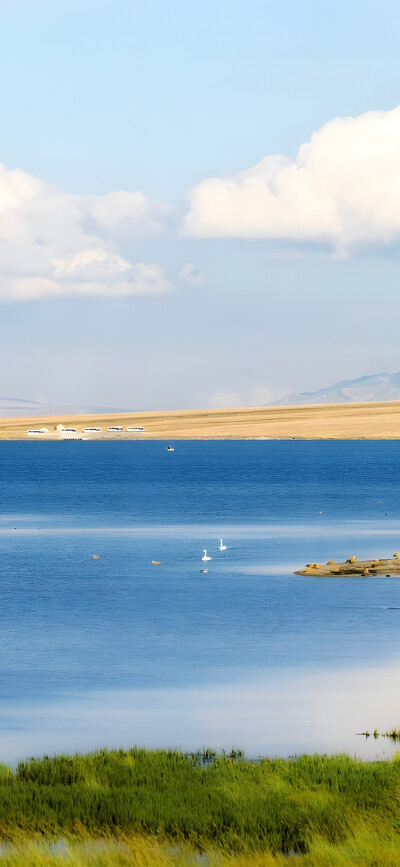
(350, 421)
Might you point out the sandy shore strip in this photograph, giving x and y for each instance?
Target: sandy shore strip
(328, 421)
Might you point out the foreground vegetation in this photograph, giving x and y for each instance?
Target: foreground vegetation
(165, 808)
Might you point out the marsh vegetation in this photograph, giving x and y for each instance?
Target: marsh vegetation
(165, 807)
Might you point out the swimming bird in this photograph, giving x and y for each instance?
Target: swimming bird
(205, 555)
(204, 571)
(156, 562)
(96, 556)
(221, 546)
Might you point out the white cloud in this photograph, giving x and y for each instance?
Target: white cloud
(190, 274)
(53, 243)
(225, 400)
(343, 189)
(248, 395)
(126, 212)
(261, 395)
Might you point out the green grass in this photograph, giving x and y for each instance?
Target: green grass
(123, 807)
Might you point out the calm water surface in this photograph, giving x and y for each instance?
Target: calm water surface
(117, 651)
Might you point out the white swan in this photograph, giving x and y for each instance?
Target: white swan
(205, 558)
(221, 546)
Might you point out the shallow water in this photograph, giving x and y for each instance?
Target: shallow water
(117, 651)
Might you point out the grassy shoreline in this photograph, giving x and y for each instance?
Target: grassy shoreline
(162, 807)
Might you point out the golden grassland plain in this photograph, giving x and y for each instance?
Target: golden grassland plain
(326, 421)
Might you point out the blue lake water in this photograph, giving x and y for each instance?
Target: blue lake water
(117, 651)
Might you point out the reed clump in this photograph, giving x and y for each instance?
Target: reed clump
(162, 807)
(394, 734)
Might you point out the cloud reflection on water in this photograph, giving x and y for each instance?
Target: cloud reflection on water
(282, 713)
(325, 526)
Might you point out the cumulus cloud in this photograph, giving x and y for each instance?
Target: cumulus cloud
(248, 395)
(190, 274)
(225, 400)
(343, 189)
(53, 243)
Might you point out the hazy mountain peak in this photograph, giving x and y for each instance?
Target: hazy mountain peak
(380, 386)
(12, 407)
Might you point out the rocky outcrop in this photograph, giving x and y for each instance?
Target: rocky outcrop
(352, 566)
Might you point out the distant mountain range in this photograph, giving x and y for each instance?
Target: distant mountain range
(381, 386)
(12, 407)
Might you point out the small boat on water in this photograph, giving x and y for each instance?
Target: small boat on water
(170, 448)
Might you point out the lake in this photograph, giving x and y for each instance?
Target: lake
(116, 651)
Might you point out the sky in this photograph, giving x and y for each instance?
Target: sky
(199, 202)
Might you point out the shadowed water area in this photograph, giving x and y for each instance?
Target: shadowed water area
(117, 651)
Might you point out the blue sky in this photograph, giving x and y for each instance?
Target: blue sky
(160, 97)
